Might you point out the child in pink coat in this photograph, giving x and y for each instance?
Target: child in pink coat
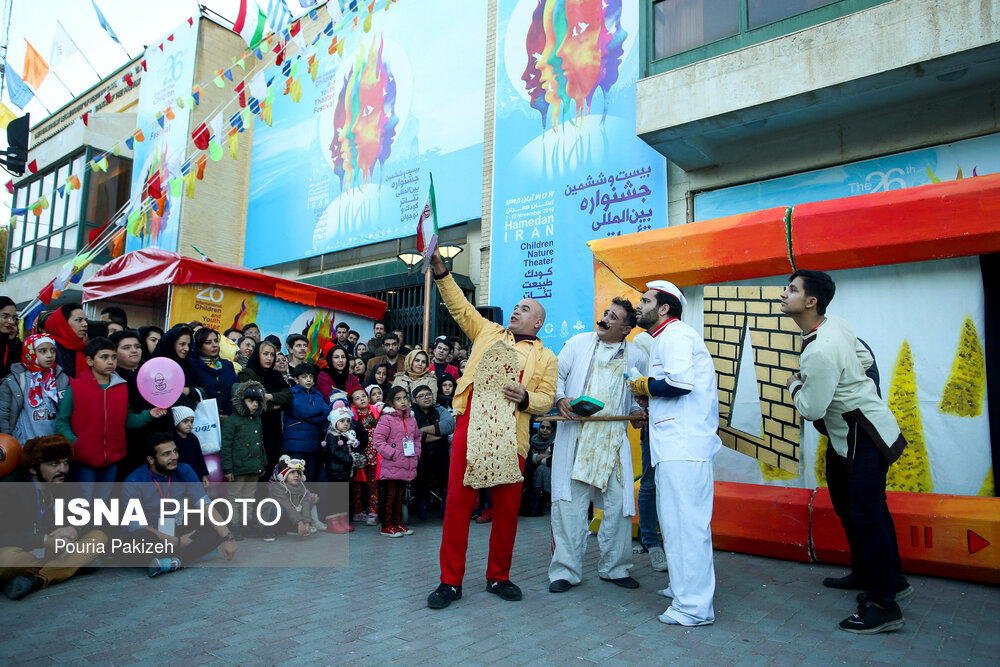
(397, 439)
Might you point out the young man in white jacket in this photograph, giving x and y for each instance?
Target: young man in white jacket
(594, 458)
(832, 390)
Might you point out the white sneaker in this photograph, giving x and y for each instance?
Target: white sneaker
(666, 592)
(658, 559)
(372, 520)
(359, 516)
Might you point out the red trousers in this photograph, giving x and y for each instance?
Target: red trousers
(458, 511)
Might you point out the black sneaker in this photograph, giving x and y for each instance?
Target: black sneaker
(505, 589)
(870, 619)
(443, 596)
(901, 593)
(847, 583)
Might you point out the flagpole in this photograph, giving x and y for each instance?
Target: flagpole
(427, 305)
(53, 73)
(91, 66)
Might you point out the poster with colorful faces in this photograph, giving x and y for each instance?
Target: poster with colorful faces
(348, 163)
(222, 308)
(158, 160)
(567, 165)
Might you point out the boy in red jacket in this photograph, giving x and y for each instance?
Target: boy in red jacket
(94, 414)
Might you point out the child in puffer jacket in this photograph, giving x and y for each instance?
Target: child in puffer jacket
(305, 420)
(397, 440)
(343, 453)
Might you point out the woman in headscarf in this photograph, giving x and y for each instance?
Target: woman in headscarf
(337, 374)
(149, 337)
(68, 326)
(10, 344)
(415, 374)
(260, 368)
(29, 396)
(217, 375)
(446, 390)
(380, 378)
(176, 345)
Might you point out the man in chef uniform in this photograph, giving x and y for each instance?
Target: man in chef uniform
(683, 425)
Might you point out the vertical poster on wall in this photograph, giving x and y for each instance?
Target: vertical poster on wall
(158, 159)
(567, 164)
(348, 164)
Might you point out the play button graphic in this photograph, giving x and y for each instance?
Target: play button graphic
(976, 543)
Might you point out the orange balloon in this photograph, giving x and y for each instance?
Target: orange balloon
(10, 454)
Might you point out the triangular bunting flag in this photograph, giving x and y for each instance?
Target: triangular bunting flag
(200, 137)
(200, 162)
(234, 141)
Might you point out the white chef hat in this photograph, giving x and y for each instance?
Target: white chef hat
(669, 288)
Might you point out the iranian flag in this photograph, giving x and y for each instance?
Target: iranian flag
(427, 226)
(250, 28)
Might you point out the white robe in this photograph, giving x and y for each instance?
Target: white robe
(574, 362)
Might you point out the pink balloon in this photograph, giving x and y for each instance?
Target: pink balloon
(214, 465)
(161, 381)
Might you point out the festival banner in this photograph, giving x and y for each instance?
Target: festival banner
(163, 126)
(568, 167)
(925, 323)
(347, 160)
(222, 308)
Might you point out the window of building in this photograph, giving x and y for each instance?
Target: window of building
(680, 32)
(56, 233)
(107, 193)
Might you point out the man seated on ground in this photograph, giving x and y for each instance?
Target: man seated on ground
(34, 553)
(163, 477)
(436, 424)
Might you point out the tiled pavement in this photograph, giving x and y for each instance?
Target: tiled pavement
(769, 612)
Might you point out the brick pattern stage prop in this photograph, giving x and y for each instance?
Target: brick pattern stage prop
(731, 312)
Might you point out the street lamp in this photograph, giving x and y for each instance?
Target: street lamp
(450, 250)
(411, 258)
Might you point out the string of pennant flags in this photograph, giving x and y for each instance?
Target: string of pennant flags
(253, 94)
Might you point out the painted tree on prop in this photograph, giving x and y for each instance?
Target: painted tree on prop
(365, 119)
(963, 392)
(319, 331)
(911, 471)
(574, 47)
(247, 313)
